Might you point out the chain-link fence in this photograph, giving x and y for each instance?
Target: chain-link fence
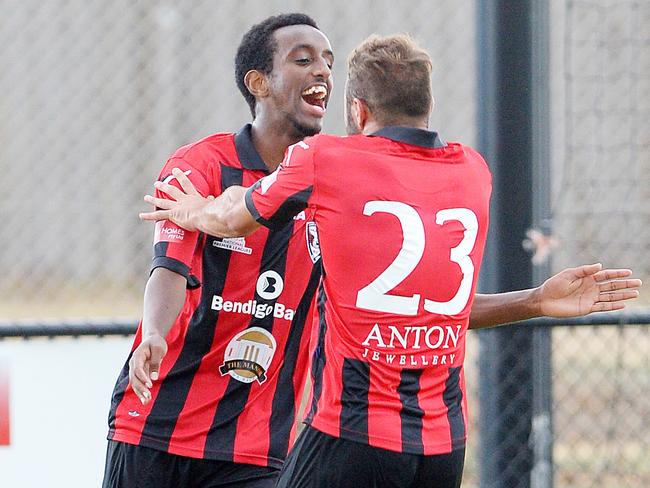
(600, 106)
(601, 406)
(95, 95)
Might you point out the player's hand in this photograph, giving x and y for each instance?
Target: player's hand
(144, 366)
(578, 291)
(186, 206)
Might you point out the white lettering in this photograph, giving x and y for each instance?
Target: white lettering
(395, 334)
(260, 310)
(409, 337)
(217, 302)
(450, 335)
(427, 337)
(375, 334)
(251, 307)
(409, 360)
(416, 341)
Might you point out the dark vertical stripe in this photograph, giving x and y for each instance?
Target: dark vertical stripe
(290, 207)
(118, 394)
(411, 413)
(354, 399)
(453, 398)
(318, 360)
(172, 395)
(160, 248)
(224, 425)
(282, 413)
(230, 176)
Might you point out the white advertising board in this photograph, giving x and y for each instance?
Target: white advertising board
(56, 400)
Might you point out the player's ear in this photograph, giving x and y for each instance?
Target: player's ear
(360, 112)
(257, 83)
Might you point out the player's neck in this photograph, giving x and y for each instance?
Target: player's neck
(271, 142)
(373, 125)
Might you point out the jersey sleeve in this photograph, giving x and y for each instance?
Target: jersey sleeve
(174, 246)
(276, 198)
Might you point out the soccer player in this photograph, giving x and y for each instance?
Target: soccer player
(230, 316)
(402, 221)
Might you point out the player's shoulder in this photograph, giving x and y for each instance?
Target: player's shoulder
(468, 153)
(322, 141)
(207, 149)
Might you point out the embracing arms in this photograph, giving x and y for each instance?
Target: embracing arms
(572, 292)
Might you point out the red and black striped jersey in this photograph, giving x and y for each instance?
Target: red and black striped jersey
(402, 219)
(231, 383)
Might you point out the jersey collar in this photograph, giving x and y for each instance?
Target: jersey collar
(246, 152)
(411, 135)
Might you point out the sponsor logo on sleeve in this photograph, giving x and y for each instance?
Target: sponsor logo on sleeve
(168, 232)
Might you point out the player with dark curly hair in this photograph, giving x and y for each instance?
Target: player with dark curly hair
(257, 47)
(221, 409)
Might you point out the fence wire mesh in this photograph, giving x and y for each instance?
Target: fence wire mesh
(96, 95)
(600, 58)
(601, 412)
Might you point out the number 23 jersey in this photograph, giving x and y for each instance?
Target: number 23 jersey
(402, 219)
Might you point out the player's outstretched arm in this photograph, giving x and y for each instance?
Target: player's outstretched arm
(224, 216)
(572, 292)
(163, 300)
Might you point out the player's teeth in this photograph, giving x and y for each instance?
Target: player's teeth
(315, 90)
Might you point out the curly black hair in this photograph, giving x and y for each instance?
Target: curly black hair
(257, 47)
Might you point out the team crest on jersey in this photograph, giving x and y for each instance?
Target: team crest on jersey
(313, 244)
(249, 355)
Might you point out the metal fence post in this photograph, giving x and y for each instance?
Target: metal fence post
(514, 419)
(541, 440)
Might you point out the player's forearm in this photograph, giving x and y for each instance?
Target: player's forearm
(504, 308)
(227, 215)
(164, 297)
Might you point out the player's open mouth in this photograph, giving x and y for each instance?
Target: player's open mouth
(316, 96)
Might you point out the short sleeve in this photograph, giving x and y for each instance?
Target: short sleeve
(276, 198)
(174, 246)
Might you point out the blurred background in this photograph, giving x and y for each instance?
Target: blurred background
(95, 95)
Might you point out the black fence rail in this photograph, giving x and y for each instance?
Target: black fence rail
(66, 328)
(27, 329)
